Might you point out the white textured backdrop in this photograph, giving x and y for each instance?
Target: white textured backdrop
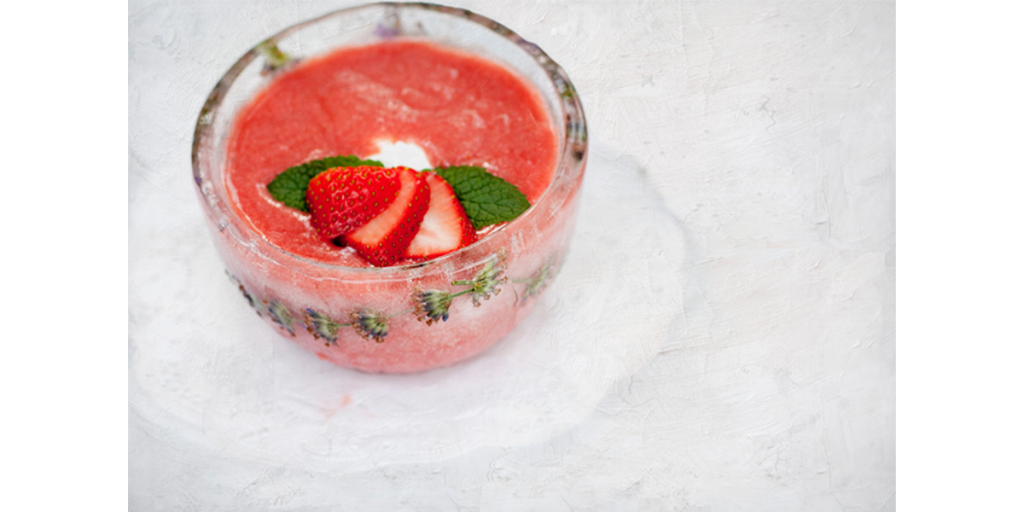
(731, 347)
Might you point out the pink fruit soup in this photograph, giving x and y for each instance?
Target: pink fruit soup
(460, 109)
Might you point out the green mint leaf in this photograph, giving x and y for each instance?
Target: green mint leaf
(486, 198)
(290, 186)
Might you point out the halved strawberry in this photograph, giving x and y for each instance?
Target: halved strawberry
(343, 199)
(445, 227)
(383, 240)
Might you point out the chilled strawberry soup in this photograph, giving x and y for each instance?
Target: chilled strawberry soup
(460, 109)
(482, 108)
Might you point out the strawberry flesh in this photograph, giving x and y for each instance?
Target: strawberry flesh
(445, 226)
(383, 240)
(343, 199)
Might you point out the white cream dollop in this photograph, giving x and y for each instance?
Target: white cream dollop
(408, 154)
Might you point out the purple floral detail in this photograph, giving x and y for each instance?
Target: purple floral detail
(281, 316)
(321, 326)
(371, 325)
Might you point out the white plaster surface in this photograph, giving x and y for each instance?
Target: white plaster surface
(721, 338)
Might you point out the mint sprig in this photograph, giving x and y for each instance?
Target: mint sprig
(290, 186)
(486, 198)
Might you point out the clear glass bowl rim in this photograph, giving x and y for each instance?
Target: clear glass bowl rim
(570, 164)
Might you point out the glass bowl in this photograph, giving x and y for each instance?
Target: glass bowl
(413, 317)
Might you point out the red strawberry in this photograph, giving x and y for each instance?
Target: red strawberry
(343, 199)
(383, 240)
(445, 227)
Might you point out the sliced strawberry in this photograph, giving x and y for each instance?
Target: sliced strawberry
(445, 227)
(343, 199)
(383, 240)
